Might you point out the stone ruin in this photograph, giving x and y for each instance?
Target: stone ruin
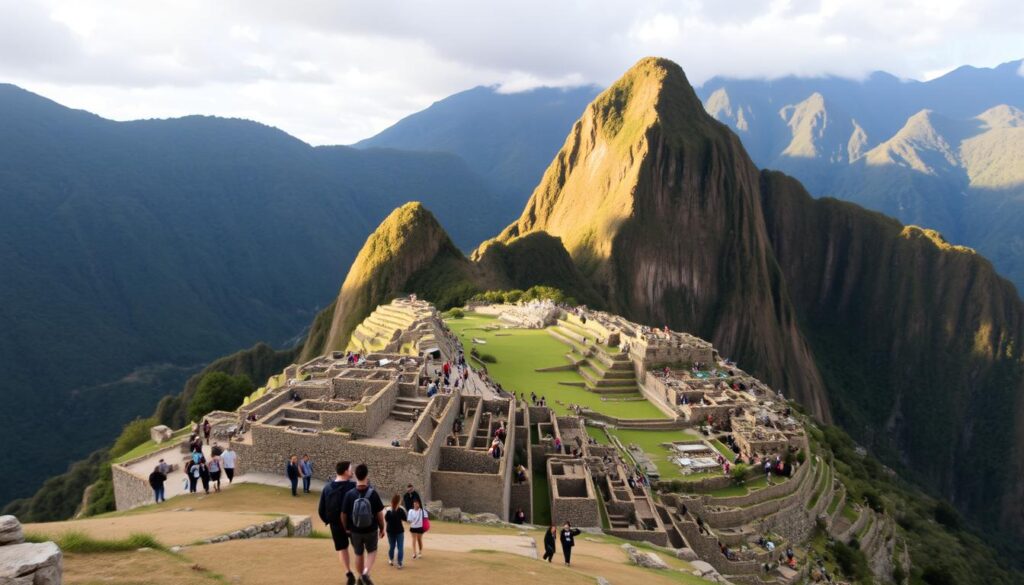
(27, 563)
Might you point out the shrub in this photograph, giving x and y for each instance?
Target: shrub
(219, 391)
(82, 543)
(454, 313)
(134, 434)
(739, 473)
(488, 358)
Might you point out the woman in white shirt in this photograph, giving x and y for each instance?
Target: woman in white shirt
(416, 517)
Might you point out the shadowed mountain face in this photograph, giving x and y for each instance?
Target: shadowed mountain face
(134, 252)
(908, 341)
(946, 154)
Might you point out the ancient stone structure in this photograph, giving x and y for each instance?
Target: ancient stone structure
(26, 563)
(372, 404)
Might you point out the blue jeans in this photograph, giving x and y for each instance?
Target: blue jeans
(396, 540)
(158, 495)
(305, 483)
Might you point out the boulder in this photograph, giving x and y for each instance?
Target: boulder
(10, 531)
(434, 508)
(160, 434)
(450, 515)
(702, 567)
(646, 559)
(40, 563)
(686, 554)
(302, 526)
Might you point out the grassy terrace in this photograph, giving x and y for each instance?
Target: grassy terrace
(151, 447)
(519, 352)
(651, 443)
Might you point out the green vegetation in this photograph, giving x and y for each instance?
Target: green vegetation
(652, 444)
(454, 313)
(82, 543)
(947, 547)
(538, 292)
(150, 446)
(541, 498)
(219, 391)
(598, 435)
(521, 351)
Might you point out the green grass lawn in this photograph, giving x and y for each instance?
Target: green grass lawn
(151, 447)
(650, 442)
(724, 450)
(541, 498)
(598, 435)
(742, 490)
(520, 352)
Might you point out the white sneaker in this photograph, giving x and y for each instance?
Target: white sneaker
(390, 562)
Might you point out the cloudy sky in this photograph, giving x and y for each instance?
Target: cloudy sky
(336, 71)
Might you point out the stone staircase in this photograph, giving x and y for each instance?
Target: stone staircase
(408, 408)
(604, 370)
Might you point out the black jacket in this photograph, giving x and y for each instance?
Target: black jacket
(157, 479)
(549, 541)
(568, 536)
(407, 499)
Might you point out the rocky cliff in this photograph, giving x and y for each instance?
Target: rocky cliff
(660, 206)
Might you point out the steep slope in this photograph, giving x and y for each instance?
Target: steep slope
(918, 341)
(659, 206)
(134, 252)
(409, 244)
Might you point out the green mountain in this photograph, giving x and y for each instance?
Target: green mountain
(507, 138)
(907, 341)
(135, 252)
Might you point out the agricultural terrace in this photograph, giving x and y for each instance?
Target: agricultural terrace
(520, 352)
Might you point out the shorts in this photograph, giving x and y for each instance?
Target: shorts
(417, 530)
(339, 536)
(214, 476)
(364, 540)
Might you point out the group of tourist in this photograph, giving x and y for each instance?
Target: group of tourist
(357, 517)
(297, 469)
(566, 536)
(198, 471)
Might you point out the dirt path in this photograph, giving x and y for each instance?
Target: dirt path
(168, 527)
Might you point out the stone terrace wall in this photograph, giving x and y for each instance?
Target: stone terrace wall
(391, 468)
(522, 497)
(432, 456)
(265, 404)
(657, 538)
(471, 492)
(655, 391)
(364, 422)
(467, 460)
(131, 491)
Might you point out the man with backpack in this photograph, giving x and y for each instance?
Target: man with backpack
(332, 500)
(362, 514)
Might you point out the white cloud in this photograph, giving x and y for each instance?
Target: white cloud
(335, 71)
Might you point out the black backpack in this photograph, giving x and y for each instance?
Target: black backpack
(334, 498)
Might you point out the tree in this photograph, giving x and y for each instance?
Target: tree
(219, 391)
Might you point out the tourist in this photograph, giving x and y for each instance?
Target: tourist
(569, 535)
(495, 450)
(163, 467)
(215, 466)
(204, 475)
(549, 543)
(332, 500)
(291, 469)
(409, 497)
(362, 514)
(156, 481)
(519, 517)
(229, 458)
(558, 445)
(418, 524)
(192, 471)
(520, 473)
(306, 469)
(393, 519)
(207, 427)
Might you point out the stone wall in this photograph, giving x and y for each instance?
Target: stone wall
(391, 468)
(363, 423)
(471, 492)
(467, 460)
(131, 491)
(658, 538)
(582, 512)
(656, 392)
(522, 497)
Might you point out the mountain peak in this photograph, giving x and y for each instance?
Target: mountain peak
(1002, 116)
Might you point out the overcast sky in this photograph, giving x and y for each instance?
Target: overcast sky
(335, 71)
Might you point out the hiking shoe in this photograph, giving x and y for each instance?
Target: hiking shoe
(350, 579)
(367, 580)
